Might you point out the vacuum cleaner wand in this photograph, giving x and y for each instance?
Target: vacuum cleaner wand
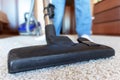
(58, 51)
(48, 15)
(47, 11)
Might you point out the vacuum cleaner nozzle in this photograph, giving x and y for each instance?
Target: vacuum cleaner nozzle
(58, 51)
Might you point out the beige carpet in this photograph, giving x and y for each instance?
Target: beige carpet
(102, 69)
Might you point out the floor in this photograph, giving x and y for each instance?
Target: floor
(102, 69)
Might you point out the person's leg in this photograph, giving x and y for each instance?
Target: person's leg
(59, 12)
(83, 17)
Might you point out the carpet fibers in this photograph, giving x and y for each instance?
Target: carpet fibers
(102, 69)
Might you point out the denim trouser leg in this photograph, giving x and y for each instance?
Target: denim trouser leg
(59, 12)
(83, 17)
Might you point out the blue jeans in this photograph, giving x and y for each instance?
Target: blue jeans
(82, 13)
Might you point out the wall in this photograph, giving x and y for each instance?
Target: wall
(92, 5)
(9, 7)
(23, 7)
(40, 15)
(96, 1)
(0, 4)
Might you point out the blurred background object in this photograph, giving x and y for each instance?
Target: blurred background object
(107, 17)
